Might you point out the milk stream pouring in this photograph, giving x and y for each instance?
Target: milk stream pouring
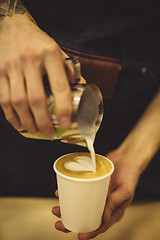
(86, 117)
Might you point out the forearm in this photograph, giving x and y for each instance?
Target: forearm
(143, 141)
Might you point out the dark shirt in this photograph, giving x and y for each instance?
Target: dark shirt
(128, 30)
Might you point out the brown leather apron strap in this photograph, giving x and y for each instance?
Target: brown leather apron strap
(102, 71)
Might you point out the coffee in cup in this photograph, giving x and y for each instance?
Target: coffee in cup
(78, 165)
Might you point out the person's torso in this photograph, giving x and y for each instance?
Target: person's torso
(101, 27)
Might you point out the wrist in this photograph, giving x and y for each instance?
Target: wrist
(10, 8)
(12, 24)
(140, 146)
(19, 17)
(139, 152)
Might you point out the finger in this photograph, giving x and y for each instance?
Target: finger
(72, 74)
(82, 81)
(56, 193)
(69, 70)
(59, 226)
(5, 102)
(12, 117)
(36, 95)
(117, 214)
(19, 98)
(93, 234)
(117, 198)
(112, 186)
(56, 211)
(54, 65)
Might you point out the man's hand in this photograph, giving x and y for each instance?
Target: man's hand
(130, 159)
(26, 55)
(120, 195)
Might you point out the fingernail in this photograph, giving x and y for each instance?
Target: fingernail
(64, 122)
(53, 211)
(35, 132)
(18, 126)
(49, 134)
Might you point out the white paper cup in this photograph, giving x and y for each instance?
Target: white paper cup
(82, 201)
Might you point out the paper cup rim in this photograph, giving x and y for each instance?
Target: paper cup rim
(83, 179)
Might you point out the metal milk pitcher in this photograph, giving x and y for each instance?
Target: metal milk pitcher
(87, 110)
(87, 114)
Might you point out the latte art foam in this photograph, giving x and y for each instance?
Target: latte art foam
(79, 165)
